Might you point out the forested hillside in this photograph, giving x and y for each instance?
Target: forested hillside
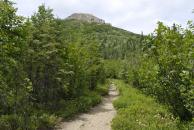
(114, 43)
(53, 68)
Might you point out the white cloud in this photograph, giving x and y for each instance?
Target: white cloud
(132, 15)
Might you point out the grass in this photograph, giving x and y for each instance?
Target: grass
(136, 111)
(84, 102)
(102, 89)
(47, 120)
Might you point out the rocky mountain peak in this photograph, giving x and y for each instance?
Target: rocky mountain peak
(86, 17)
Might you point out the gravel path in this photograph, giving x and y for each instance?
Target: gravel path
(99, 118)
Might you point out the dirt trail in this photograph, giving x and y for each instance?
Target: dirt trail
(99, 118)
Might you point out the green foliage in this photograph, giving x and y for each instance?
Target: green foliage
(46, 122)
(42, 69)
(165, 69)
(81, 104)
(113, 68)
(137, 111)
(103, 89)
(51, 67)
(114, 43)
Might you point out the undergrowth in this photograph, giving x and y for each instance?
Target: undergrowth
(136, 111)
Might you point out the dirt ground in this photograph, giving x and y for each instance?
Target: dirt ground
(99, 118)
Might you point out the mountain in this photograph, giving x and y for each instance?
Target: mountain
(114, 42)
(86, 17)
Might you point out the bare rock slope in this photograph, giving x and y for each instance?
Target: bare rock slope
(86, 17)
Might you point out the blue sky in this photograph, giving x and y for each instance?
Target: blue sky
(132, 15)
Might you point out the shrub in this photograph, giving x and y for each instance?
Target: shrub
(46, 122)
(102, 89)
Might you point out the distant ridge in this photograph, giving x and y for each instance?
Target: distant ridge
(86, 17)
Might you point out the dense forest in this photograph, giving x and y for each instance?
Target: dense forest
(51, 68)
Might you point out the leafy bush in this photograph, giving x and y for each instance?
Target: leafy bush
(102, 89)
(46, 122)
(113, 68)
(31, 122)
(81, 104)
(166, 71)
(9, 122)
